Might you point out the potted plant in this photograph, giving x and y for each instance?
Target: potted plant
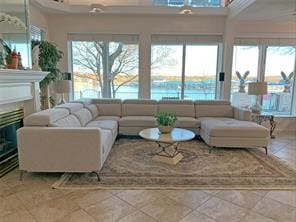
(49, 57)
(166, 121)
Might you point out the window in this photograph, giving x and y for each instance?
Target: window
(36, 33)
(201, 68)
(105, 69)
(279, 73)
(270, 60)
(244, 70)
(166, 71)
(183, 70)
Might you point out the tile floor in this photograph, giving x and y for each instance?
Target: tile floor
(32, 200)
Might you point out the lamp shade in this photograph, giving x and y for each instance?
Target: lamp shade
(257, 88)
(62, 86)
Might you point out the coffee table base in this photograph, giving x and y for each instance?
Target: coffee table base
(168, 160)
(168, 153)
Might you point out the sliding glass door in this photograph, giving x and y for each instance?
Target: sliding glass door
(279, 74)
(184, 71)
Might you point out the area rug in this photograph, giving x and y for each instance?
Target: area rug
(130, 166)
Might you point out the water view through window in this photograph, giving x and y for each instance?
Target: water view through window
(196, 64)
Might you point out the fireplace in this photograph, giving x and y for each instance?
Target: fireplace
(10, 121)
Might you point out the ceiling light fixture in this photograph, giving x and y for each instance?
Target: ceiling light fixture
(97, 8)
(186, 9)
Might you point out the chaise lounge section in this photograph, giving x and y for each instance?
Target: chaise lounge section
(225, 126)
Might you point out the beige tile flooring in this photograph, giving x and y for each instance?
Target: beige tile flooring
(33, 200)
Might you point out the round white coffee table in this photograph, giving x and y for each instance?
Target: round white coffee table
(167, 143)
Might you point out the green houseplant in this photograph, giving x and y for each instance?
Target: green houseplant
(166, 121)
(49, 58)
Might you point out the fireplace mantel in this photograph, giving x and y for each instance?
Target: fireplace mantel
(21, 76)
(21, 86)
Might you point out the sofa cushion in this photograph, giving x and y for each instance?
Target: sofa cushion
(111, 125)
(84, 102)
(139, 107)
(213, 108)
(84, 116)
(227, 127)
(45, 117)
(183, 108)
(69, 121)
(146, 121)
(187, 122)
(108, 107)
(116, 118)
(72, 107)
(93, 109)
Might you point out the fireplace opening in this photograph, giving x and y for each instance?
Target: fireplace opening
(10, 122)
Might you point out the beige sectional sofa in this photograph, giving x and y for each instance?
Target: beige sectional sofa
(78, 136)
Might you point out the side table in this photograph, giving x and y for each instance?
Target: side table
(262, 117)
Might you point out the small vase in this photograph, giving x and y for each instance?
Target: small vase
(165, 129)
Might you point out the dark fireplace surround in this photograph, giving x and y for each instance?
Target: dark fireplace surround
(10, 121)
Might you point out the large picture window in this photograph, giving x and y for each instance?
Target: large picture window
(105, 69)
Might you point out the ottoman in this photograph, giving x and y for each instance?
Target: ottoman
(228, 132)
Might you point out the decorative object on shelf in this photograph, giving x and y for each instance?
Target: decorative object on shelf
(166, 121)
(242, 81)
(258, 89)
(287, 81)
(49, 56)
(12, 20)
(12, 60)
(63, 87)
(35, 58)
(20, 63)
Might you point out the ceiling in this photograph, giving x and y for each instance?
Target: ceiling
(276, 10)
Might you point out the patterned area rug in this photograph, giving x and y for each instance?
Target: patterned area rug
(130, 166)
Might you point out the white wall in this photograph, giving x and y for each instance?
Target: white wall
(39, 18)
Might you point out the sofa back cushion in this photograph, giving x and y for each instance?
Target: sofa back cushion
(84, 116)
(139, 107)
(108, 107)
(72, 107)
(45, 117)
(93, 109)
(183, 108)
(213, 108)
(69, 121)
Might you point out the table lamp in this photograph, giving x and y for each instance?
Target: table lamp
(63, 87)
(258, 89)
